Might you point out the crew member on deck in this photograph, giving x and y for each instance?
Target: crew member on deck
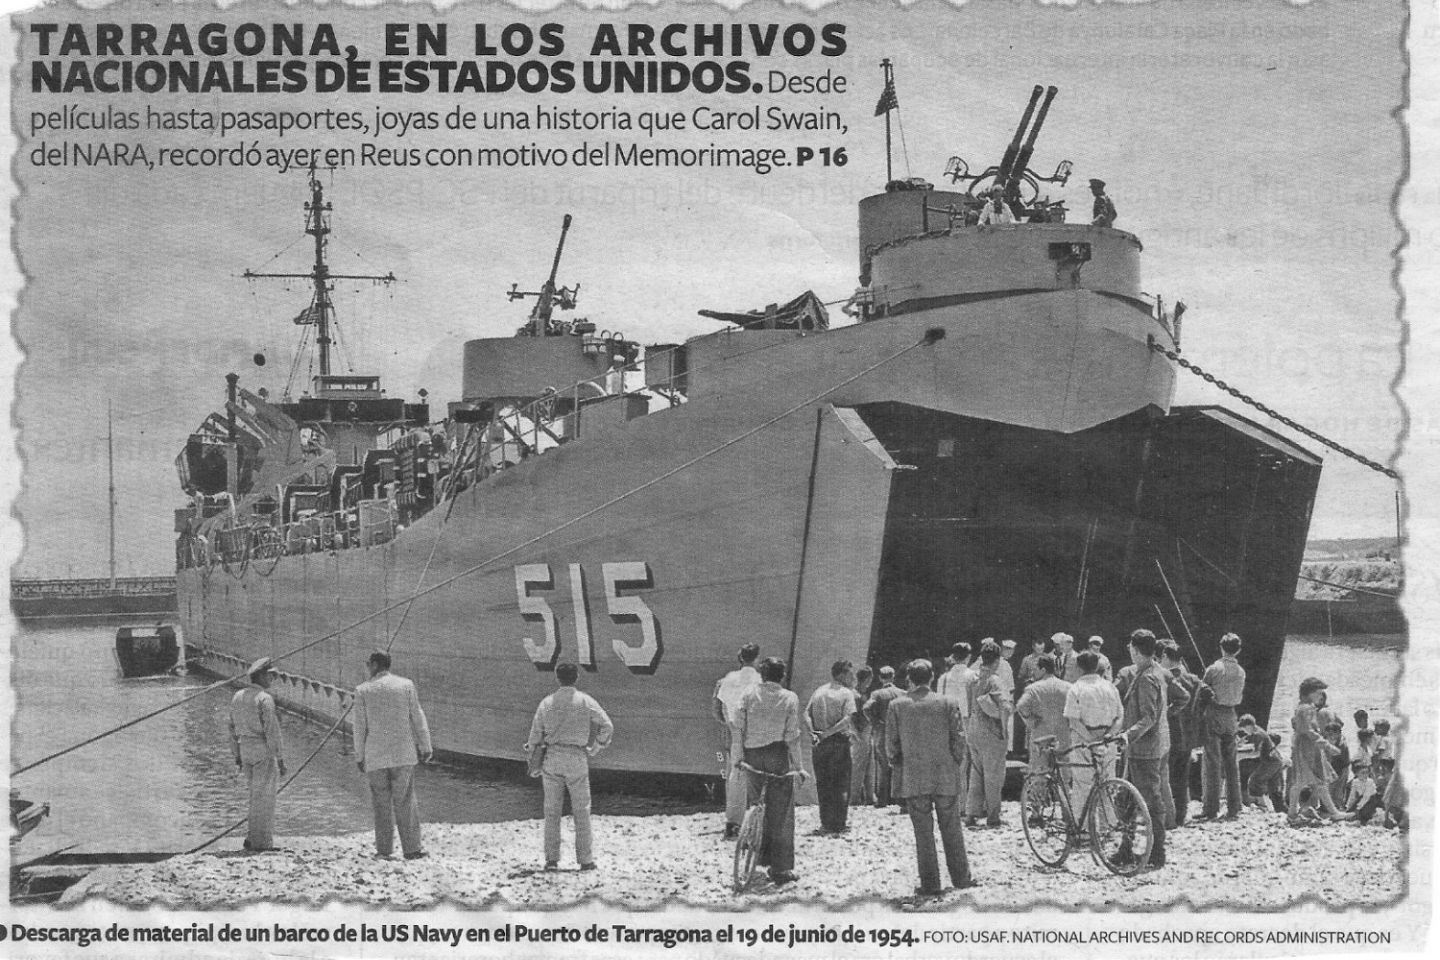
(1104, 213)
(255, 733)
(996, 210)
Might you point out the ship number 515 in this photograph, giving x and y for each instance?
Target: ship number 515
(531, 579)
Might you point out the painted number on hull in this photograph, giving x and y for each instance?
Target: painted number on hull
(623, 608)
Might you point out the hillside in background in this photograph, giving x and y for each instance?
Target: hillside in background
(1370, 564)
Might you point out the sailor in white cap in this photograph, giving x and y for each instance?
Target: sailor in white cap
(255, 733)
(1097, 644)
(1065, 666)
(1104, 211)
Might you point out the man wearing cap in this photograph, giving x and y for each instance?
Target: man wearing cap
(391, 737)
(1104, 211)
(877, 709)
(255, 733)
(1097, 644)
(1067, 668)
(726, 707)
(1225, 679)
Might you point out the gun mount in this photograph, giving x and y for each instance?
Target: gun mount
(548, 297)
(1013, 171)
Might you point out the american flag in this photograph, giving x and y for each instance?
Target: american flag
(888, 100)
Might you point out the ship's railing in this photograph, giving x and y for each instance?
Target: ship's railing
(519, 431)
(263, 543)
(88, 586)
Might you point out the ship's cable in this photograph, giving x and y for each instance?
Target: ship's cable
(931, 337)
(340, 720)
(1271, 412)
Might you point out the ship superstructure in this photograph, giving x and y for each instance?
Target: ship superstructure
(991, 450)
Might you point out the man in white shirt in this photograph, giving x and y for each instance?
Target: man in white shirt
(573, 728)
(1093, 707)
(996, 211)
(729, 691)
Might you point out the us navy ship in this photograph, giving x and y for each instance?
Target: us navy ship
(989, 449)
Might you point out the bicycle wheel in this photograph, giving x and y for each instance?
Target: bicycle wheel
(747, 847)
(1045, 817)
(1120, 829)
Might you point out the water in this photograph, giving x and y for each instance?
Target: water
(170, 782)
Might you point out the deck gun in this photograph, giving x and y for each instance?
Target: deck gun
(1013, 169)
(548, 296)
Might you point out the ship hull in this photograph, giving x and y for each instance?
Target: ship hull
(860, 495)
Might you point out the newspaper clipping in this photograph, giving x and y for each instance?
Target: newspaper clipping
(729, 480)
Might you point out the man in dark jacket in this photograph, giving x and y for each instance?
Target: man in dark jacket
(1179, 692)
(877, 709)
(1147, 733)
(925, 739)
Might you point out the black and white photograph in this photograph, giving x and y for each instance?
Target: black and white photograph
(840, 479)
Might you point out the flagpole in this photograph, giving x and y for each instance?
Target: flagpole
(889, 82)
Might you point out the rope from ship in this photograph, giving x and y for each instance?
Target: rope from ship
(1271, 412)
(931, 337)
(340, 720)
(1349, 588)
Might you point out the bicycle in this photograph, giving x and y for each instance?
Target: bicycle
(752, 830)
(1114, 819)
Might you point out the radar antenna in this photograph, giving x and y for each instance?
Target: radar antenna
(321, 312)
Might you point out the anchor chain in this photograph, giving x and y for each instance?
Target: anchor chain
(1245, 398)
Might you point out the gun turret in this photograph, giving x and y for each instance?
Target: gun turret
(1007, 163)
(1010, 180)
(548, 296)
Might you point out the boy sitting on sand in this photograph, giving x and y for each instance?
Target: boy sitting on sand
(1363, 799)
(1308, 816)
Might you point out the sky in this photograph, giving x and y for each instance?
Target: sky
(1251, 147)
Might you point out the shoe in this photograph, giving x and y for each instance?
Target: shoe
(589, 866)
(1157, 859)
(732, 831)
(967, 883)
(972, 822)
(417, 855)
(928, 892)
(552, 866)
(784, 877)
(1230, 816)
(993, 824)
(1123, 857)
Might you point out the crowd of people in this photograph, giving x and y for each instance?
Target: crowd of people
(931, 738)
(935, 739)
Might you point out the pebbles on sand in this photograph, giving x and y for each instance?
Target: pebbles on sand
(1254, 863)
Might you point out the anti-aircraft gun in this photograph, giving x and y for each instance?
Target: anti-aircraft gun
(1013, 171)
(548, 297)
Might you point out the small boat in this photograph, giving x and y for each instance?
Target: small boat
(146, 651)
(25, 815)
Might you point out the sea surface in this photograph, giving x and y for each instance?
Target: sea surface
(170, 782)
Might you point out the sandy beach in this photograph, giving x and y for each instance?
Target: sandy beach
(1255, 863)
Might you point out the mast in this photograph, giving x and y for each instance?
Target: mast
(110, 458)
(320, 313)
